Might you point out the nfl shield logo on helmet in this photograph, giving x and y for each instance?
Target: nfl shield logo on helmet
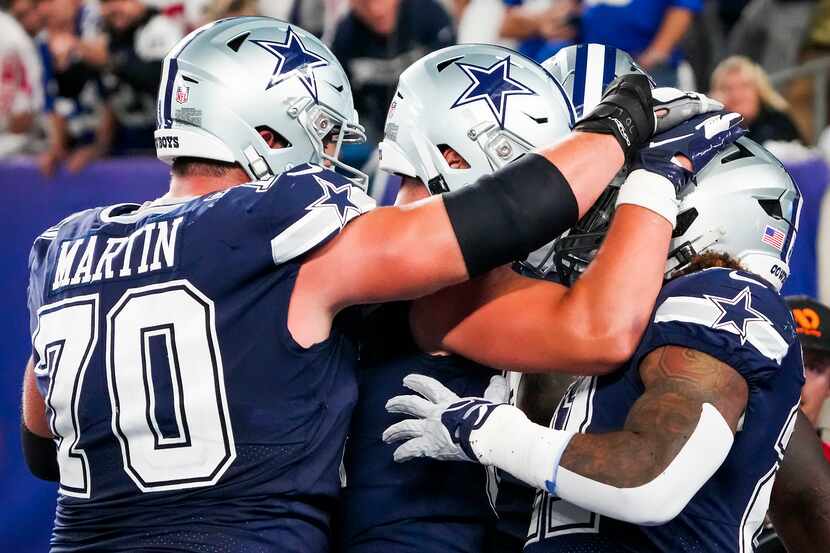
(182, 93)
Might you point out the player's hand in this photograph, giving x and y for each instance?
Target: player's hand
(697, 140)
(633, 112)
(445, 424)
(673, 107)
(82, 157)
(48, 161)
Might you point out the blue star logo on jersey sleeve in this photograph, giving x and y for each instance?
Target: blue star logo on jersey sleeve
(736, 313)
(491, 85)
(293, 59)
(337, 198)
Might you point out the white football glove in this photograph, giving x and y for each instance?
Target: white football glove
(673, 106)
(444, 423)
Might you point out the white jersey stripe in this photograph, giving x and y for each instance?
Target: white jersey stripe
(702, 311)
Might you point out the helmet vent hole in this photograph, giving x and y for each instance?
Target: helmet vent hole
(236, 42)
(772, 208)
(446, 63)
(189, 79)
(742, 153)
(684, 221)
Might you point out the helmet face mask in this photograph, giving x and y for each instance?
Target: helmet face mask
(325, 127)
(574, 250)
(229, 78)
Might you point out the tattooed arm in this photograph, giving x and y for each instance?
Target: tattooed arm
(800, 506)
(675, 438)
(678, 381)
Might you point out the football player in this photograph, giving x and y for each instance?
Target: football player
(189, 385)
(443, 131)
(800, 502)
(680, 448)
(465, 131)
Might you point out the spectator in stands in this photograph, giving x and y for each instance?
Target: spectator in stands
(541, 28)
(377, 40)
(72, 50)
(21, 90)
(139, 37)
(649, 30)
(743, 86)
(813, 327)
(811, 319)
(26, 13)
(480, 21)
(800, 92)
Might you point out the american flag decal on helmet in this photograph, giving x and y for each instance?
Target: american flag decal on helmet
(773, 237)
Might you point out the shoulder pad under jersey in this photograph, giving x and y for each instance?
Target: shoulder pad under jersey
(732, 315)
(306, 206)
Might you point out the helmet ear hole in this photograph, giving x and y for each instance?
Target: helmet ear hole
(454, 159)
(274, 139)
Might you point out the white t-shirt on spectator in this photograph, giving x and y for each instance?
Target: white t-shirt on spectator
(21, 87)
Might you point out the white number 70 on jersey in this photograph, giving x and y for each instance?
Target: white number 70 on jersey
(177, 313)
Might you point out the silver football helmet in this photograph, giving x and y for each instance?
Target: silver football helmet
(586, 70)
(743, 203)
(488, 103)
(228, 79)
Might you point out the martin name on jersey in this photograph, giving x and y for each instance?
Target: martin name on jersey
(740, 320)
(184, 413)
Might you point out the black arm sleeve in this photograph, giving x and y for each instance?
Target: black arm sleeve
(505, 216)
(40, 453)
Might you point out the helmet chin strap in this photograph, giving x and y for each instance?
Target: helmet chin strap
(257, 164)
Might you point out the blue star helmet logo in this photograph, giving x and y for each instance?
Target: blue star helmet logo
(491, 85)
(337, 198)
(736, 313)
(293, 60)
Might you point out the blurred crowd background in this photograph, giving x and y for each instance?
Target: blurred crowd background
(79, 77)
(78, 80)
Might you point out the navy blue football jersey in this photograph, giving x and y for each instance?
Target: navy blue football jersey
(742, 321)
(186, 416)
(423, 504)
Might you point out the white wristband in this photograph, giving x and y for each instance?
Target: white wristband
(528, 451)
(651, 191)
